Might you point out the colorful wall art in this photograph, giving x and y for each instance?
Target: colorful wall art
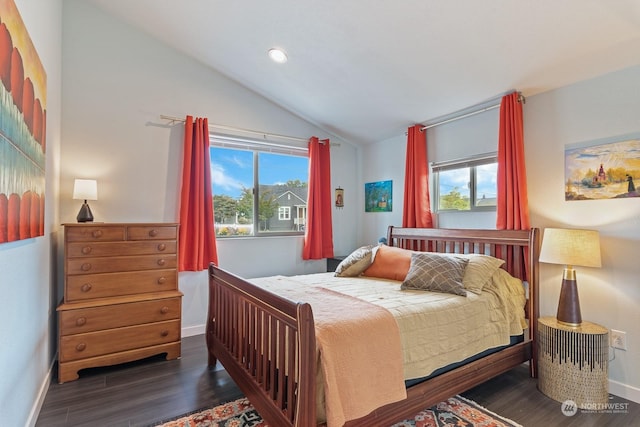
(378, 196)
(23, 94)
(603, 169)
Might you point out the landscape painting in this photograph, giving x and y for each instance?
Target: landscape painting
(602, 169)
(23, 92)
(378, 196)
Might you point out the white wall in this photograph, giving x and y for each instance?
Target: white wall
(27, 267)
(117, 82)
(603, 107)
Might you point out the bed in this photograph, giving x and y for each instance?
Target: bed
(267, 342)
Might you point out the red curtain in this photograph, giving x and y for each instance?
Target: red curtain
(513, 203)
(318, 237)
(417, 209)
(197, 237)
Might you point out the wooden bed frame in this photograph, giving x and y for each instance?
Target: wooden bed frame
(247, 324)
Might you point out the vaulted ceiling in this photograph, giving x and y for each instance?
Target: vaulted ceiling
(364, 70)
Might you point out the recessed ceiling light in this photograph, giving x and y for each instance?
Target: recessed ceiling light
(278, 55)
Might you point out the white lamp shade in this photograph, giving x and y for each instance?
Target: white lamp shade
(571, 247)
(85, 189)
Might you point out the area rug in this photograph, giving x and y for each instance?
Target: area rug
(456, 411)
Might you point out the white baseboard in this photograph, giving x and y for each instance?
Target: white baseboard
(625, 391)
(42, 393)
(194, 330)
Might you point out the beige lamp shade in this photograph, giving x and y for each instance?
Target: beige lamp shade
(571, 247)
(85, 189)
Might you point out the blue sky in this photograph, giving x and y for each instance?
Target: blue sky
(460, 178)
(231, 170)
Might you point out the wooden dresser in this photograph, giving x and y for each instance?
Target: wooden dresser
(121, 298)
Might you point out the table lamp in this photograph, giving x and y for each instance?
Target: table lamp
(572, 248)
(85, 189)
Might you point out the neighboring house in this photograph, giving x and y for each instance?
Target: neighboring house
(291, 214)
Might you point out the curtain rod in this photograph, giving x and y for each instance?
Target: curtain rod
(173, 120)
(475, 109)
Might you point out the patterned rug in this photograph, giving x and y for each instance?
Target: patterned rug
(457, 411)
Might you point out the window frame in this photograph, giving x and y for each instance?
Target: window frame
(472, 163)
(256, 147)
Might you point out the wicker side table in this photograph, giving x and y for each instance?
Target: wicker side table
(573, 362)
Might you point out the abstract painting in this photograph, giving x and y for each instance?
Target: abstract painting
(603, 169)
(23, 95)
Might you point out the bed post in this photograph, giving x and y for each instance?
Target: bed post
(534, 293)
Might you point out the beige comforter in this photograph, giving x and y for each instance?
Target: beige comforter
(436, 329)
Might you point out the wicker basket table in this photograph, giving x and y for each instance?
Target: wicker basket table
(573, 362)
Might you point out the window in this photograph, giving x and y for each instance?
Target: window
(466, 185)
(279, 206)
(284, 213)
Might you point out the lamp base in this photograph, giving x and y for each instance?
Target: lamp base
(569, 304)
(85, 214)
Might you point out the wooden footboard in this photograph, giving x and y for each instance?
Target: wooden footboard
(268, 346)
(267, 343)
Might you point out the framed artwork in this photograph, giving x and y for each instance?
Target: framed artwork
(602, 169)
(339, 197)
(378, 196)
(23, 96)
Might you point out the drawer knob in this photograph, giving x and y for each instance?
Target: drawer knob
(81, 346)
(153, 233)
(164, 310)
(86, 287)
(97, 233)
(81, 321)
(164, 333)
(86, 266)
(86, 250)
(161, 262)
(162, 247)
(162, 280)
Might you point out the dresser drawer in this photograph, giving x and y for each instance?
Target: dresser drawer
(94, 233)
(91, 319)
(148, 232)
(109, 264)
(84, 287)
(87, 249)
(90, 344)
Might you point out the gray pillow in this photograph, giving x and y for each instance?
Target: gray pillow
(436, 273)
(356, 262)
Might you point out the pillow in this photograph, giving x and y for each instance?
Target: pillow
(355, 263)
(437, 273)
(479, 271)
(389, 262)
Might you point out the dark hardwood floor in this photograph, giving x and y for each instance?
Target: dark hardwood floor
(148, 392)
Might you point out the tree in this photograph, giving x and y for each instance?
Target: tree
(267, 208)
(245, 206)
(455, 200)
(224, 208)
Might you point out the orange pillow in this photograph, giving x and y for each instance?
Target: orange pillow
(390, 262)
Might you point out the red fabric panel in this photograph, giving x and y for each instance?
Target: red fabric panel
(197, 239)
(318, 238)
(417, 209)
(513, 202)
